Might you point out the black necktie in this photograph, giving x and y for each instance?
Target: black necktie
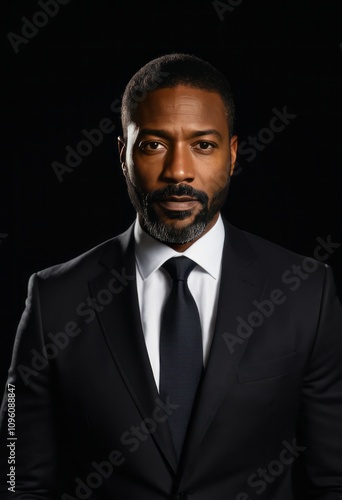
(181, 352)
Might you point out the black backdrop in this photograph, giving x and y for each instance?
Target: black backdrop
(69, 76)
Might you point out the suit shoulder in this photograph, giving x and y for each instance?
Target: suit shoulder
(86, 263)
(274, 256)
(266, 247)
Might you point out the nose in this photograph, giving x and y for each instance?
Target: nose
(178, 165)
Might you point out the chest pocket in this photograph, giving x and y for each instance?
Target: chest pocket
(269, 368)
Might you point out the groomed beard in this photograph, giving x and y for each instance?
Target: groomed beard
(167, 232)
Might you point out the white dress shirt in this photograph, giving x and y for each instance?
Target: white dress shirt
(154, 284)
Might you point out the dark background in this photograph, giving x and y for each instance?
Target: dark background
(275, 53)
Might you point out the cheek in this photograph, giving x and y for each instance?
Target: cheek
(134, 170)
(140, 177)
(145, 173)
(215, 177)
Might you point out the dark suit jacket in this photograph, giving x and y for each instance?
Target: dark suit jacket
(267, 422)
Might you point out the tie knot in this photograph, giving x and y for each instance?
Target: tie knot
(179, 268)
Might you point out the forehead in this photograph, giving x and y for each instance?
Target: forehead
(182, 104)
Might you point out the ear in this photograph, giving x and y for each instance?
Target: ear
(122, 153)
(233, 153)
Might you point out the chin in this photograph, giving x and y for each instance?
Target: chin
(175, 230)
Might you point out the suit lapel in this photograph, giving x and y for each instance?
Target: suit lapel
(241, 283)
(121, 326)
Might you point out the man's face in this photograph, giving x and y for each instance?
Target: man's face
(177, 160)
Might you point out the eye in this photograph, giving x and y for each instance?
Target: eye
(204, 146)
(151, 146)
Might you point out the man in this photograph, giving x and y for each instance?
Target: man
(183, 359)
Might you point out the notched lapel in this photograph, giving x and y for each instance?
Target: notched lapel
(121, 326)
(241, 284)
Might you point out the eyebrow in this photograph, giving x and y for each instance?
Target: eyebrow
(166, 135)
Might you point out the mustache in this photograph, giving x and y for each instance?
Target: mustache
(177, 190)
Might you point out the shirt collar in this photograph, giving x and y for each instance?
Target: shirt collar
(206, 251)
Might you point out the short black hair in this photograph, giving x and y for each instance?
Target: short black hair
(169, 71)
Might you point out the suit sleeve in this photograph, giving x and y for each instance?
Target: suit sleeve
(320, 426)
(33, 444)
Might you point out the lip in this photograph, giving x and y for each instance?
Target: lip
(178, 203)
